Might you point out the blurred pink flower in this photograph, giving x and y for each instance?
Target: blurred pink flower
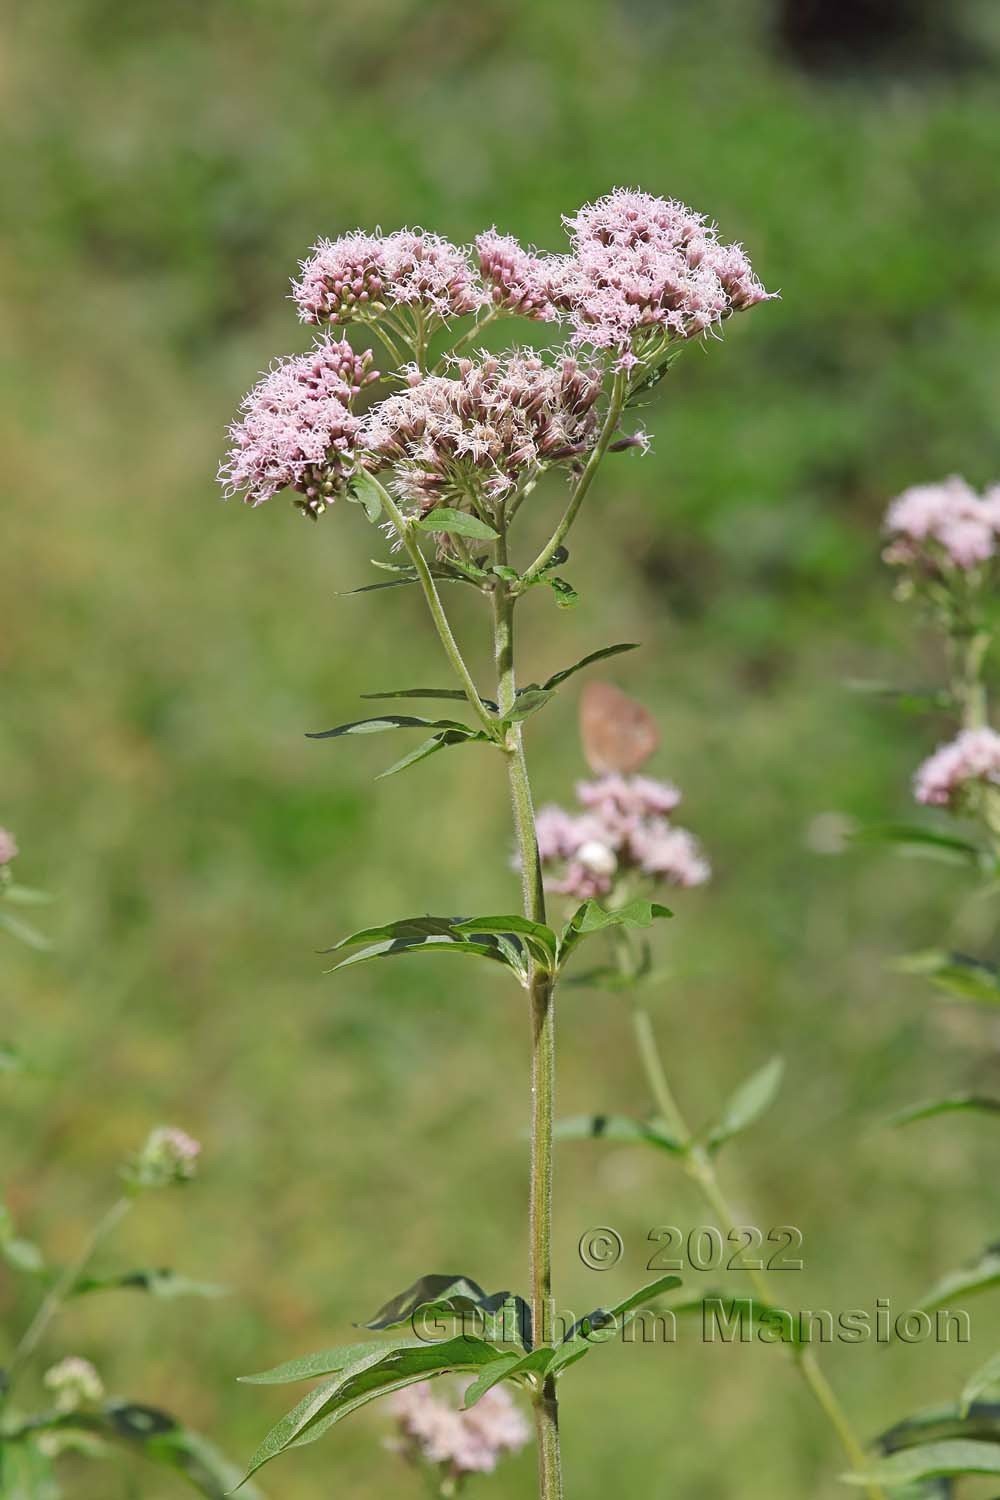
(169, 1155)
(946, 521)
(297, 430)
(8, 847)
(974, 756)
(462, 1442)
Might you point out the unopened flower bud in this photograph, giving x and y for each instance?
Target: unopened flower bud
(169, 1156)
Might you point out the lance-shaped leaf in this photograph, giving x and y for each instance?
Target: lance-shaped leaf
(748, 1103)
(911, 700)
(508, 1367)
(937, 1424)
(386, 722)
(157, 1281)
(978, 1276)
(454, 694)
(958, 974)
(26, 895)
(493, 948)
(389, 1367)
(980, 1382)
(950, 1104)
(441, 741)
(619, 1129)
(436, 935)
(527, 702)
(540, 939)
(919, 842)
(929, 1461)
(591, 917)
(606, 1317)
(455, 523)
(500, 1317)
(586, 661)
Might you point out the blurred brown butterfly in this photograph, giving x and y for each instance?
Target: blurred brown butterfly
(617, 733)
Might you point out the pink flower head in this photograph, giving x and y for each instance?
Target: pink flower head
(945, 522)
(460, 1442)
(488, 428)
(645, 266)
(517, 277)
(170, 1155)
(974, 756)
(624, 828)
(362, 275)
(297, 430)
(8, 847)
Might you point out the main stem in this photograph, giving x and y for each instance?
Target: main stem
(701, 1168)
(542, 984)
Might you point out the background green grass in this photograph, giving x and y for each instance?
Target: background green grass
(162, 654)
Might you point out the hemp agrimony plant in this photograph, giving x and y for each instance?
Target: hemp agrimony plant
(443, 448)
(943, 540)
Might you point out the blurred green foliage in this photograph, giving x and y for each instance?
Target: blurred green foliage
(162, 654)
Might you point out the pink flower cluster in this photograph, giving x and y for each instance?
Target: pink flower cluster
(170, 1155)
(362, 275)
(639, 266)
(624, 828)
(974, 756)
(462, 1442)
(297, 430)
(8, 847)
(486, 428)
(946, 522)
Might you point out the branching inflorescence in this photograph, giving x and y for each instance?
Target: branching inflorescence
(442, 449)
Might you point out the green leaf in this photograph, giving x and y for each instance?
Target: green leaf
(566, 594)
(455, 694)
(957, 974)
(11, 1060)
(541, 939)
(24, 931)
(367, 492)
(311, 1366)
(617, 1128)
(601, 1317)
(591, 917)
(503, 1317)
(586, 661)
(739, 1312)
(527, 702)
(372, 588)
(916, 841)
(497, 939)
(442, 741)
(23, 1255)
(912, 700)
(393, 947)
(978, 1276)
(386, 722)
(950, 1104)
(389, 1367)
(942, 1423)
(930, 1461)
(986, 1378)
(456, 523)
(158, 1282)
(748, 1103)
(510, 575)
(26, 895)
(404, 929)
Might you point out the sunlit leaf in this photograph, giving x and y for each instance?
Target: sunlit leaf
(26, 895)
(980, 1382)
(591, 917)
(455, 523)
(367, 492)
(930, 1461)
(977, 1276)
(566, 594)
(618, 1129)
(442, 741)
(586, 661)
(748, 1103)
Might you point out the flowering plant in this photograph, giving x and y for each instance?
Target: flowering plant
(442, 446)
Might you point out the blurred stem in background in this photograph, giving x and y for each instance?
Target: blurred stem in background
(699, 1166)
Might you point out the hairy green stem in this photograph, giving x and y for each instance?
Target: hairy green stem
(701, 1169)
(541, 988)
(616, 403)
(405, 532)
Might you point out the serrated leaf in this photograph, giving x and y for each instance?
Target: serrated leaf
(367, 493)
(586, 661)
(957, 974)
(617, 1128)
(390, 1367)
(748, 1103)
(977, 1276)
(427, 748)
(386, 722)
(456, 523)
(986, 1378)
(930, 1461)
(950, 1104)
(592, 917)
(156, 1281)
